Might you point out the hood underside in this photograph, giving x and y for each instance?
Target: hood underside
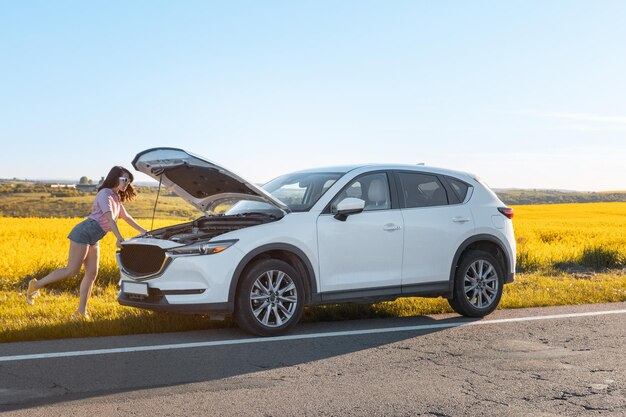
(201, 182)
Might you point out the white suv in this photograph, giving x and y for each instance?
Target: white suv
(323, 236)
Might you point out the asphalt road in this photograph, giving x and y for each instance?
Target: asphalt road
(432, 365)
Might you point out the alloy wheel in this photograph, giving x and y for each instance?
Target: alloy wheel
(273, 298)
(481, 283)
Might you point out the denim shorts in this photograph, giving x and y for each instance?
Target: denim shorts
(87, 232)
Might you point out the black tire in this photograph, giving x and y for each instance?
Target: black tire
(475, 293)
(277, 309)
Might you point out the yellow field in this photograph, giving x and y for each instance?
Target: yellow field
(568, 254)
(591, 235)
(31, 246)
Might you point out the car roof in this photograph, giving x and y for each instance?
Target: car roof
(343, 169)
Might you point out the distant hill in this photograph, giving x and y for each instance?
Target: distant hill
(25, 199)
(521, 196)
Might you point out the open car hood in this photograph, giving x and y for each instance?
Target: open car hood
(201, 182)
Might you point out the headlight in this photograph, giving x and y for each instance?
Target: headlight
(203, 248)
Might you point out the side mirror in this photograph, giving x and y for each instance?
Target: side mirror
(348, 206)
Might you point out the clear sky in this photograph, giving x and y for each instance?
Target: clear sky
(525, 94)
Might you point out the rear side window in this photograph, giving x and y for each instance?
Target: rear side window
(422, 190)
(459, 187)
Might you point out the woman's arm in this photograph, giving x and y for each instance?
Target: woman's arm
(114, 228)
(129, 219)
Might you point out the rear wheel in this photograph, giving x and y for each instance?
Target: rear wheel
(270, 299)
(478, 284)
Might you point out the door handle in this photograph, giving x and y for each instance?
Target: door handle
(460, 219)
(390, 227)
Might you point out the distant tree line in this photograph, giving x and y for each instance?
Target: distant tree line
(524, 197)
(37, 187)
(8, 188)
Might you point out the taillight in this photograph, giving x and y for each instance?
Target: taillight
(508, 212)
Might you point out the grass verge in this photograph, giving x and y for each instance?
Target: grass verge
(49, 317)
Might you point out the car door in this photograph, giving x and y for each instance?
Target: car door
(433, 227)
(365, 250)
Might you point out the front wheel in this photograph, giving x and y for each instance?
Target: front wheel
(270, 299)
(478, 284)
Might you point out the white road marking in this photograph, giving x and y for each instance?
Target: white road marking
(297, 337)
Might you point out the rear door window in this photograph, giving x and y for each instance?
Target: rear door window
(422, 190)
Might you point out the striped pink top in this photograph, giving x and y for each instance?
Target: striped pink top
(107, 200)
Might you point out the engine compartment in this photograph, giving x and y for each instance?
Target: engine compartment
(205, 228)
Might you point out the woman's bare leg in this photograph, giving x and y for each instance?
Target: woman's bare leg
(92, 260)
(75, 259)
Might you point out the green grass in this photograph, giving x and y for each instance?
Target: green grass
(49, 317)
(601, 257)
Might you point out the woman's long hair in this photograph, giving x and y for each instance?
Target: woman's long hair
(112, 181)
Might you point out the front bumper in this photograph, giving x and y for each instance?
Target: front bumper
(158, 302)
(187, 284)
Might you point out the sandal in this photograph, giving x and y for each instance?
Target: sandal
(79, 316)
(31, 292)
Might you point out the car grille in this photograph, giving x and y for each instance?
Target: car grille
(142, 260)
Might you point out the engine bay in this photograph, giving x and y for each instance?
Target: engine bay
(205, 228)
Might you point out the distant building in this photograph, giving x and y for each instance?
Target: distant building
(88, 188)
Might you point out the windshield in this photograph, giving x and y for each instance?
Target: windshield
(298, 191)
(301, 191)
(254, 207)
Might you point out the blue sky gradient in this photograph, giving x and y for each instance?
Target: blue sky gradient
(525, 94)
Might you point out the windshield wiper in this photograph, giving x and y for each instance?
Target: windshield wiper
(256, 213)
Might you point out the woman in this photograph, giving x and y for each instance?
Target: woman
(84, 238)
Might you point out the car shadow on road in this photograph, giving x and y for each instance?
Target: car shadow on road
(41, 382)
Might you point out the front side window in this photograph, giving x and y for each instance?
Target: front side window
(371, 188)
(422, 190)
